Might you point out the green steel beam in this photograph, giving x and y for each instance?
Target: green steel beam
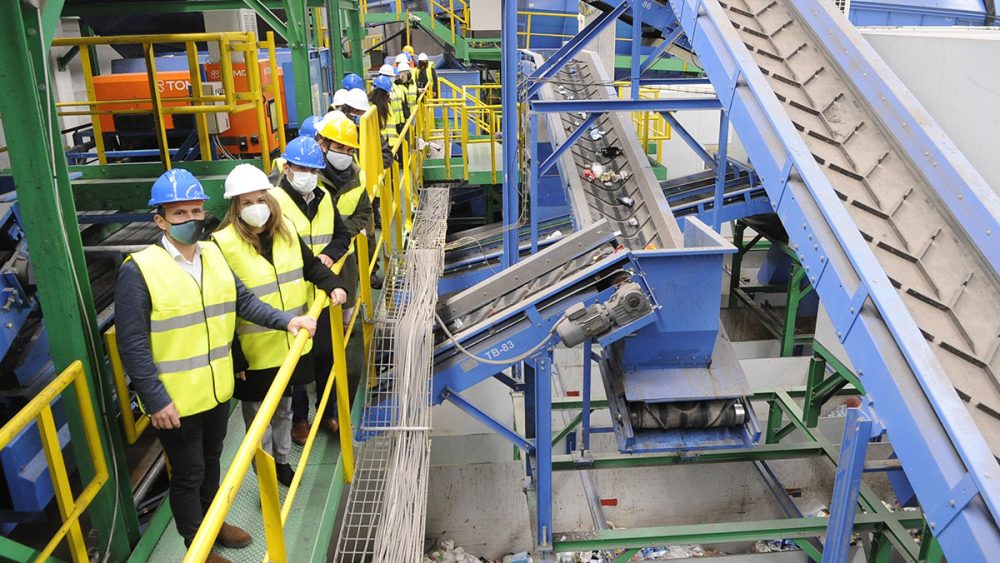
(568, 428)
(298, 43)
(46, 203)
(336, 31)
(13, 551)
(268, 16)
(712, 533)
(355, 35)
(78, 8)
(617, 460)
(152, 534)
(868, 500)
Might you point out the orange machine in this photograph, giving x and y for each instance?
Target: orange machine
(241, 137)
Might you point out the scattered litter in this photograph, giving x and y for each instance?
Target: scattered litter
(554, 235)
(447, 552)
(610, 152)
(582, 114)
(626, 201)
(596, 134)
(597, 168)
(772, 546)
(633, 221)
(668, 552)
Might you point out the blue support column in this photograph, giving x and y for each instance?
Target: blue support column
(573, 137)
(543, 449)
(850, 468)
(493, 424)
(721, 168)
(508, 89)
(688, 139)
(533, 181)
(588, 350)
(636, 48)
(660, 49)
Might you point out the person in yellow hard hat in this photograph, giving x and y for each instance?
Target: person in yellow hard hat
(345, 180)
(410, 54)
(263, 248)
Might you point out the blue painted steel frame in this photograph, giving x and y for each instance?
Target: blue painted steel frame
(932, 432)
(542, 367)
(846, 485)
(658, 105)
(510, 57)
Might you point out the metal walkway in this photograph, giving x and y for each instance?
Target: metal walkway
(893, 228)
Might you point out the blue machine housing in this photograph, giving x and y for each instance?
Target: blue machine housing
(918, 12)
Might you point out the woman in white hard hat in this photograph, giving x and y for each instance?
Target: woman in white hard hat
(339, 98)
(408, 87)
(426, 75)
(264, 250)
(355, 105)
(397, 99)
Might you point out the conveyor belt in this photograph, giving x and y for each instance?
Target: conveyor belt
(953, 295)
(633, 204)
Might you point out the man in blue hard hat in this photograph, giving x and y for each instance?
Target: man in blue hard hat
(176, 303)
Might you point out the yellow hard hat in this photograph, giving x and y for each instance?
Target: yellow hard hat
(408, 49)
(341, 129)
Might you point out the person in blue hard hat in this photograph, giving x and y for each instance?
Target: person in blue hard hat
(311, 208)
(381, 98)
(308, 128)
(352, 81)
(176, 307)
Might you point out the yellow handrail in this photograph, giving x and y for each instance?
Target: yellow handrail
(396, 189)
(133, 427)
(198, 103)
(39, 409)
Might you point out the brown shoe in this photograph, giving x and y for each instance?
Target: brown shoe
(232, 537)
(300, 431)
(331, 425)
(214, 557)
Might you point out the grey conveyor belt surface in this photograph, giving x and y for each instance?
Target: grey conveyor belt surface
(634, 205)
(950, 290)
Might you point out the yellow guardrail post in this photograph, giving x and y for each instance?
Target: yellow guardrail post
(340, 377)
(270, 506)
(279, 111)
(465, 141)
(88, 81)
(39, 409)
(201, 119)
(154, 92)
(133, 428)
(254, 83)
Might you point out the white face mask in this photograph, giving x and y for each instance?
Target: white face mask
(303, 182)
(255, 215)
(339, 160)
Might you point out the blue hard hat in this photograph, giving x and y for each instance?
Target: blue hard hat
(382, 82)
(308, 128)
(352, 81)
(176, 185)
(305, 151)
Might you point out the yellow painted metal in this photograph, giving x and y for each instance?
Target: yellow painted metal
(133, 428)
(252, 65)
(60, 481)
(270, 506)
(343, 401)
(88, 81)
(154, 90)
(200, 119)
(39, 409)
(276, 85)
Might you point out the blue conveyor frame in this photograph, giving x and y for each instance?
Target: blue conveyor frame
(949, 464)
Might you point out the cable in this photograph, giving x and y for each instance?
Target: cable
(514, 360)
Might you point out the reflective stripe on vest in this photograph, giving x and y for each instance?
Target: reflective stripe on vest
(191, 327)
(279, 284)
(316, 233)
(396, 99)
(411, 94)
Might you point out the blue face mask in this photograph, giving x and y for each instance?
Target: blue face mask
(188, 232)
(356, 119)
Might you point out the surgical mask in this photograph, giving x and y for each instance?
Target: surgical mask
(188, 232)
(303, 182)
(255, 215)
(356, 119)
(339, 160)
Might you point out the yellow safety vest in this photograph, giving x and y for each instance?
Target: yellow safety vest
(278, 164)
(316, 233)
(411, 94)
(279, 284)
(396, 99)
(191, 327)
(347, 202)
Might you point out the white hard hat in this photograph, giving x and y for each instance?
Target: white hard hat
(339, 98)
(422, 57)
(402, 58)
(357, 99)
(403, 67)
(245, 178)
(387, 70)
